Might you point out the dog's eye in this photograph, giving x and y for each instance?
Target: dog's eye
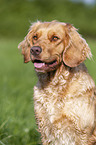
(54, 38)
(35, 37)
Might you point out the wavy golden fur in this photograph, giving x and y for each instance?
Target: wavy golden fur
(64, 97)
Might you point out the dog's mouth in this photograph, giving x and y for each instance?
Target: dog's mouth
(41, 66)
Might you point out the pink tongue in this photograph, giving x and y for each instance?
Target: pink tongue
(39, 65)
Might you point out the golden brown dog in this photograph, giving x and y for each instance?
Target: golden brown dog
(64, 97)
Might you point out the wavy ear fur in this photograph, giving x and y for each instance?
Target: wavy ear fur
(77, 49)
(25, 50)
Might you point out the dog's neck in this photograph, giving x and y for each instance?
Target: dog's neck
(46, 78)
(63, 72)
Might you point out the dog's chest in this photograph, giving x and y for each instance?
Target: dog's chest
(49, 100)
(55, 100)
(52, 103)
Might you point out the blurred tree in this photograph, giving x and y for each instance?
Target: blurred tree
(16, 15)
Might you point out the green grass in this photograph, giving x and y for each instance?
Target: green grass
(91, 64)
(17, 121)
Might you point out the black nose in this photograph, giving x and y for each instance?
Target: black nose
(35, 50)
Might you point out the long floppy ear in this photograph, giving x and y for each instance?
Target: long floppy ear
(77, 49)
(25, 49)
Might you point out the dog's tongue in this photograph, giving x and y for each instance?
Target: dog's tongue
(38, 65)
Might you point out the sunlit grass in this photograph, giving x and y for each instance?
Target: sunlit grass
(17, 121)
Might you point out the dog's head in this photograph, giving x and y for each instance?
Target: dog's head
(48, 44)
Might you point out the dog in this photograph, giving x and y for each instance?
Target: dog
(64, 97)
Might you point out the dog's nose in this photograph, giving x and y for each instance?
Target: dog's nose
(35, 50)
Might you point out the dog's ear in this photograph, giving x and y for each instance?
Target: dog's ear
(76, 49)
(25, 47)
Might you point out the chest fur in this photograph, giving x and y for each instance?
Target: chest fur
(56, 102)
(61, 106)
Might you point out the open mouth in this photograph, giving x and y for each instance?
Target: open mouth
(43, 66)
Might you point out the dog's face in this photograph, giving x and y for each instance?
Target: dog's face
(49, 44)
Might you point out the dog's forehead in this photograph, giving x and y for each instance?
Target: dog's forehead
(50, 26)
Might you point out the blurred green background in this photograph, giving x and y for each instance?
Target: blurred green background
(17, 120)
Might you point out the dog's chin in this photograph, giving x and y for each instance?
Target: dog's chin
(44, 67)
